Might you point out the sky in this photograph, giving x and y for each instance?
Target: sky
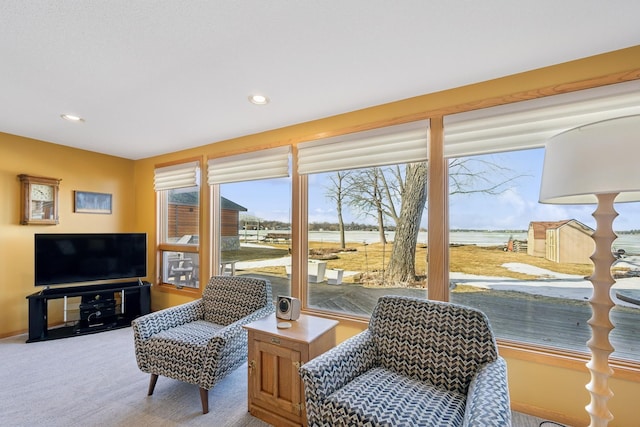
(513, 209)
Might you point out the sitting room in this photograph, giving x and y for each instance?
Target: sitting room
(222, 213)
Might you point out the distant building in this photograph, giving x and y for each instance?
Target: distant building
(567, 241)
(230, 224)
(183, 219)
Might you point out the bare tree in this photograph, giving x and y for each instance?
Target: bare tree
(402, 268)
(377, 192)
(466, 176)
(475, 175)
(366, 196)
(392, 183)
(338, 192)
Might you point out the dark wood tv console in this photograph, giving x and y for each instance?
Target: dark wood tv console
(101, 307)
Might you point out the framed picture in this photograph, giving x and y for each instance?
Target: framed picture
(86, 202)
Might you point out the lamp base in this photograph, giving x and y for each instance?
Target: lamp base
(601, 304)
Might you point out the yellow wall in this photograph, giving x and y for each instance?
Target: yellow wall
(558, 393)
(79, 170)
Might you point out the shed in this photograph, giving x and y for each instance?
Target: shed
(230, 224)
(183, 219)
(537, 235)
(182, 216)
(567, 241)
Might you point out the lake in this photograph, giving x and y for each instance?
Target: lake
(455, 237)
(629, 242)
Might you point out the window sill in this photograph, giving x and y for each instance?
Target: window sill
(172, 289)
(622, 369)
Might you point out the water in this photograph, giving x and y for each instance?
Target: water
(629, 242)
(479, 238)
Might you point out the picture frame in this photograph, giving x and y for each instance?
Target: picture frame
(90, 202)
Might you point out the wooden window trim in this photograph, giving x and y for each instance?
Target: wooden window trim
(555, 357)
(191, 248)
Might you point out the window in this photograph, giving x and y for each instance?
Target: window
(526, 264)
(523, 263)
(255, 231)
(178, 193)
(252, 216)
(366, 217)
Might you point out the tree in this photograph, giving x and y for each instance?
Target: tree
(338, 192)
(472, 175)
(401, 268)
(466, 176)
(377, 192)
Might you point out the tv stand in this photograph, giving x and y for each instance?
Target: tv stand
(102, 307)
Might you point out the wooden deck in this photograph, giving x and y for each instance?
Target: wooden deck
(513, 315)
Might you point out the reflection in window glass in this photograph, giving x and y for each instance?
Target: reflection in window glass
(181, 210)
(367, 237)
(180, 269)
(255, 231)
(526, 265)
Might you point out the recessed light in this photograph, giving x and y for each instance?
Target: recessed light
(259, 99)
(72, 118)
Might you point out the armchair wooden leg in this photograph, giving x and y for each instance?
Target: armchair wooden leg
(204, 397)
(152, 384)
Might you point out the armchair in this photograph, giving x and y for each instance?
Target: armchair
(202, 341)
(420, 363)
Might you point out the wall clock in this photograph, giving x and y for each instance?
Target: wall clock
(39, 200)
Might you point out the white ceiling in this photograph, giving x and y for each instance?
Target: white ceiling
(151, 77)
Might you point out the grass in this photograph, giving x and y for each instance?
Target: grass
(488, 261)
(470, 259)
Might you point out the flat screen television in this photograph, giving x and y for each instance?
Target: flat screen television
(89, 257)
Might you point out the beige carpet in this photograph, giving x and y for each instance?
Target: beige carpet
(93, 380)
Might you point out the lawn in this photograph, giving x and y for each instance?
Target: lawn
(470, 259)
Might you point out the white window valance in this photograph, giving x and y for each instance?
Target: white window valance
(378, 147)
(183, 175)
(529, 124)
(262, 164)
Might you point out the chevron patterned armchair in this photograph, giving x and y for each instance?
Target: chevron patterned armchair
(202, 341)
(420, 363)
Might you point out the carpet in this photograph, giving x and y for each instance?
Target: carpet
(93, 380)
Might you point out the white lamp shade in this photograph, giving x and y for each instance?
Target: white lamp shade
(598, 158)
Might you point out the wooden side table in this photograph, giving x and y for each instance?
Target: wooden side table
(276, 392)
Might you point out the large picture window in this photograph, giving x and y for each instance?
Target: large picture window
(526, 265)
(252, 217)
(255, 232)
(366, 197)
(363, 243)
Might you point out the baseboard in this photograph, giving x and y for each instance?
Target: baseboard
(14, 333)
(546, 414)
